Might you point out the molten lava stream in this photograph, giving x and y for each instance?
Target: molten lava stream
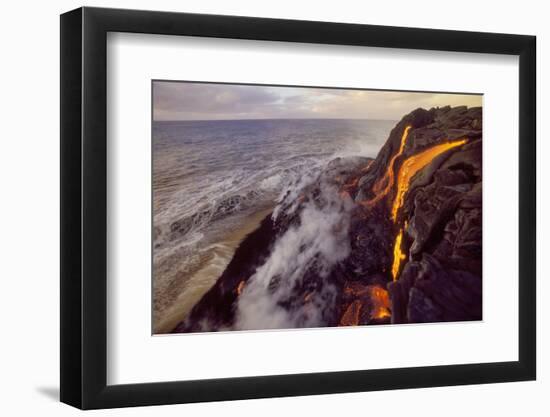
(412, 165)
(387, 179)
(380, 303)
(373, 297)
(398, 255)
(408, 169)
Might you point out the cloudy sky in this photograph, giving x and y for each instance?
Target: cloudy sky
(198, 101)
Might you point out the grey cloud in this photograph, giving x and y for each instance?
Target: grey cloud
(174, 98)
(195, 101)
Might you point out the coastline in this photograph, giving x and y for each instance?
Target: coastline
(211, 268)
(392, 240)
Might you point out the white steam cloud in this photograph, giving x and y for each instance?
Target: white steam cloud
(319, 241)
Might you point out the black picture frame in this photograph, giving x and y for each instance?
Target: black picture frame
(84, 207)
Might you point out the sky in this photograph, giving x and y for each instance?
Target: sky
(209, 101)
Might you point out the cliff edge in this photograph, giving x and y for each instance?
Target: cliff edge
(395, 239)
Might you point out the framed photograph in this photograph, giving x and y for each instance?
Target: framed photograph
(256, 207)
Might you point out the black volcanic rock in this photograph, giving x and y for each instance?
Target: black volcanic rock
(216, 308)
(440, 277)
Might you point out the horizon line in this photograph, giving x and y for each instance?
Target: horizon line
(274, 118)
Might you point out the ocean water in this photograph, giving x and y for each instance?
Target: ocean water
(214, 180)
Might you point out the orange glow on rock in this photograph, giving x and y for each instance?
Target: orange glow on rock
(374, 298)
(352, 313)
(398, 255)
(380, 303)
(348, 187)
(408, 169)
(366, 167)
(382, 187)
(414, 164)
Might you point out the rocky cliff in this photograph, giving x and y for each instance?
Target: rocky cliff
(395, 239)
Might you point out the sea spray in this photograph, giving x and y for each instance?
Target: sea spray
(314, 246)
(210, 177)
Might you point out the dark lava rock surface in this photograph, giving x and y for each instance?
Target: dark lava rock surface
(440, 275)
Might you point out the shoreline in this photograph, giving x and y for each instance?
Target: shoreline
(220, 255)
(327, 261)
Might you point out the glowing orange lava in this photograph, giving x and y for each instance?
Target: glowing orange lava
(380, 303)
(384, 184)
(373, 297)
(240, 288)
(398, 255)
(407, 171)
(414, 164)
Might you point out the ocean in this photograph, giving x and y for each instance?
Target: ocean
(214, 181)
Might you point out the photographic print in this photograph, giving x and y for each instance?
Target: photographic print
(284, 207)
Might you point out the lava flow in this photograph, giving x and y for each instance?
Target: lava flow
(388, 177)
(372, 300)
(414, 164)
(407, 170)
(398, 255)
(380, 303)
